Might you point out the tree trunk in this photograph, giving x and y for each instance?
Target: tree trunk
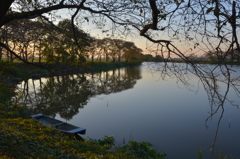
(1, 53)
(33, 52)
(106, 57)
(113, 59)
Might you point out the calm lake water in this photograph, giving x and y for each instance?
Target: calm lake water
(135, 103)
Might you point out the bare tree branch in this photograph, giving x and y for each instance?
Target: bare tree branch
(73, 27)
(154, 23)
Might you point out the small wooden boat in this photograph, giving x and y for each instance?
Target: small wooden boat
(58, 125)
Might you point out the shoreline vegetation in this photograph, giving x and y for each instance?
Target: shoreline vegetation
(22, 137)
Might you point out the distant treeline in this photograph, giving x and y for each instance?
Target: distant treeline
(42, 42)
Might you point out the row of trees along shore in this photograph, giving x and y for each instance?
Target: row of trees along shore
(39, 41)
(29, 29)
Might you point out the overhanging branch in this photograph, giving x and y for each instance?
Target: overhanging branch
(155, 13)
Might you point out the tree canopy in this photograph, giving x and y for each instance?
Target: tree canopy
(205, 25)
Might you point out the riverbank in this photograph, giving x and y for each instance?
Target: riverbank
(212, 62)
(22, 137)
(25, 71)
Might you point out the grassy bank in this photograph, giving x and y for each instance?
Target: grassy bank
(23, 137)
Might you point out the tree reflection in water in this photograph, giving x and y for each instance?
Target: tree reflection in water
(66, 95)
(217, 81)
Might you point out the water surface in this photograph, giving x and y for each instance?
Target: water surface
(135, 103)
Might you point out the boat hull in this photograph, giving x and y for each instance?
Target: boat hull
(58, 125)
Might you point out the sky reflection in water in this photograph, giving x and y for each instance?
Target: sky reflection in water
(149, 109)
